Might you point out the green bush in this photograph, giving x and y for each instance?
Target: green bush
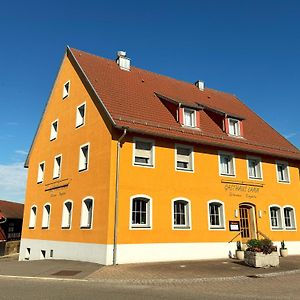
(265, 245)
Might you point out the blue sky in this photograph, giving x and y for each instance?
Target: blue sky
(248, 48)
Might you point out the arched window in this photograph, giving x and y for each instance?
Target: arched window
(140, 212)
(181, 214)
(275, 217)
(46, 216)
(32, 217)
(216, 214)
(289, 217)
(87, 213)
(67, 215)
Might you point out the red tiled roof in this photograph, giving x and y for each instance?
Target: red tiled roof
(11, 210)
(132, 100)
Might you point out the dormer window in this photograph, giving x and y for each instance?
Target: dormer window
(234, 127)
(189, 117)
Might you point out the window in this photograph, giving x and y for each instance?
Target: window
(189, 117)
(32, 217)
(140, 212)
(53, 132)
(216, 215)
(46, 216)
(143, 153)
(87, 213)
(254, 168)
(289, 218)
(234, 127)
(282, 172)
(226, 164)
(66, 215)
(184, 158)
(275, 217)
(66, 89)
(57, 166)
(80, 115)
(181, 214)
(41, 171)
(83, 157)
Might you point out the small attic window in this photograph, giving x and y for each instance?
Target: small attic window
(66, 89)
(189, 117)
(233, 127)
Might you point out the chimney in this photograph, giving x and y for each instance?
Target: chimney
(123, 61)
(200, 85)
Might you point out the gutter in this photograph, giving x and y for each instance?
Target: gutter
(116, 218)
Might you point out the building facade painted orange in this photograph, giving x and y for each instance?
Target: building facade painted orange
(112, 180)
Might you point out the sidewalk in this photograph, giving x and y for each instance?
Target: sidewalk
(177, 271)
(188, 270)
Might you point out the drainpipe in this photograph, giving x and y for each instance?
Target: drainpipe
(117, 196)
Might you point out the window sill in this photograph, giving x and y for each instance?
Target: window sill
(291, 228)
(217, 228)
(39, 182)
(181, 227)
(143, 165)
(53, 139)
(255, 178)
(185, 170)
(31, 227)
(141, 227)
(45, 227)
(82, 170)
(85, 227)
(284, 181)
(57, 177)
(277, 228)
(80, 125)
(227, 175)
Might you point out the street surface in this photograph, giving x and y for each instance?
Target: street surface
(270, 287)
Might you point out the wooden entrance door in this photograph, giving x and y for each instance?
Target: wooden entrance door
(246, 223)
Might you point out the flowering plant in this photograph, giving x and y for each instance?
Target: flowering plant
(265, 246)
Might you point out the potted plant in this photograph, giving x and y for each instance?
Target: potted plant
(283, 250)
(261, 253)
(239, 253)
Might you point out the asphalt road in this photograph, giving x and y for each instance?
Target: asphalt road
(277, 287)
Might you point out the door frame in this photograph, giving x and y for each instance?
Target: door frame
(253, 218)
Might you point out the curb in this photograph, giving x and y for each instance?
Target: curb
(43, 278)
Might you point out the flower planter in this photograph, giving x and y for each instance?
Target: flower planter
(261, 260)
(239, 254)
(283, 252)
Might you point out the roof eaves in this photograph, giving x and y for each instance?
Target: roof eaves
(69, 51)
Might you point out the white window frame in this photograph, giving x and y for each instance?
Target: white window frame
(257, 159)
(46, 216)
(152, 160)
(80, 121)
(279, 215)
(65, 92)
(41, 173)
(293, 219)
(32, 217)
(53, 132)
(284, 163)
(148, 225)
(222, 215)
(84, 223)
(66, 219)
(188, 214)
(82, 157)
(222, 153)
(237, 127)
(57, 170)
(194, 117)
(191, 148)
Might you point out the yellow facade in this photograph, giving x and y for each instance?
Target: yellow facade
(163, 183)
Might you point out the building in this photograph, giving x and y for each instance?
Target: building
(11, 217)
(132, 166)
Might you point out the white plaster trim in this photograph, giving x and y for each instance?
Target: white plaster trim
(135, 139)
(82, 227)
(60, 167)
(288, 172)
(83, 123)
(213, 227)
(188, 226)
(149, 211)
(40, 181)
(220, 153)
(280, 228)
(88, 157)
(175, 159)
(62, 215)
(260, 167)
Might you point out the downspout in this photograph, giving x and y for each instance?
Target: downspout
(117, 196)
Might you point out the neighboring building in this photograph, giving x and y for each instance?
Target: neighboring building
(132, 166)
(11, 217)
